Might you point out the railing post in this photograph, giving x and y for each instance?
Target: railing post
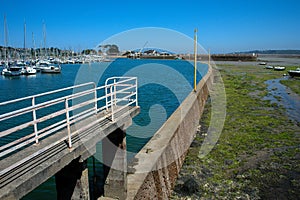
(68, 122)
(136, 92)
(106, 98)
(115, 92)
(34, 121)
(112, 104)
(95, 93)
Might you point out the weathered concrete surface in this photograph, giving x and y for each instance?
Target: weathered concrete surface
(72, 182)
(23, 178)
(115, 164)
(156, 166)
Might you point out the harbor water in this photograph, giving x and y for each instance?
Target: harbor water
(163, 85)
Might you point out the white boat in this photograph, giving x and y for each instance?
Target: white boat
(29, 70)
(12, 71)
(71, 61)
(262, 63)
(269, 67)
(293, 73)
(42, 64)
(106, 60)
(279, 68)
(51, 69)
(22, 65)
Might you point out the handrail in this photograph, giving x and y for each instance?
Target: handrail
(42, 105)
(119, 92)
(46, 93)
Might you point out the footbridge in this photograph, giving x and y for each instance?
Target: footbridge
(53, 134)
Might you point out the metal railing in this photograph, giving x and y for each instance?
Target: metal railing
(87, 100)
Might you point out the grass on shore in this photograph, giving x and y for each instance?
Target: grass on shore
(293, 84)
(257, 155)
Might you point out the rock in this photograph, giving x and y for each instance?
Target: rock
(190, 186)
(228, 162)
(206, 171)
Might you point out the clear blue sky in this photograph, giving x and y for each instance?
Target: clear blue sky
(223, 26)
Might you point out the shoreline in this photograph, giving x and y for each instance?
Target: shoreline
(257, 155)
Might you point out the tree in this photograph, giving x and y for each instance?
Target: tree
(114, 49)
(109, 48)
(89, 51)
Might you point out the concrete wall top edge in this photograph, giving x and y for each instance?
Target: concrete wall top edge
(149, 155)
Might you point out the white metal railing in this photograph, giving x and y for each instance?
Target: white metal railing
(119, 90)
(115, 95)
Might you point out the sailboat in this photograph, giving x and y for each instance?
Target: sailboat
(44, 65)
(28, 69)
(9, 70)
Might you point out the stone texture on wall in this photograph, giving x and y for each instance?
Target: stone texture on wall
(155, 168)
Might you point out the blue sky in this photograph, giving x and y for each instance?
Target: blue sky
(223, 26)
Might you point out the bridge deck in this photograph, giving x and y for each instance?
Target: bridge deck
(41, 151)
(34, 165)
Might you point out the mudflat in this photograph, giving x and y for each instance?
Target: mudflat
(257, 155)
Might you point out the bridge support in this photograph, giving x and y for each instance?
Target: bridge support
(72, 181)
(115, 164)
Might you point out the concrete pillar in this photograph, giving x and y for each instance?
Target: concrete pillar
(72, 181)
(115, 165)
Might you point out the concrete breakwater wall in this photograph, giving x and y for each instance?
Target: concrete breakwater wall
(234, 57)
(223, 57)
(153, 173)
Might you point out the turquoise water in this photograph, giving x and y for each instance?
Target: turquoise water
(163, 85)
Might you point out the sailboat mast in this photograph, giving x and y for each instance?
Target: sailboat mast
(44, 34)
(24, 41)
(5, 41)
(33, 43)
(24, 35)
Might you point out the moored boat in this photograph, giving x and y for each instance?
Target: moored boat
(262, 63)
(294, 73)
(12, 71)
(269, 67)
(51, 69)
(29, 70)
(42, 64)
(106, 60)
(279, 68)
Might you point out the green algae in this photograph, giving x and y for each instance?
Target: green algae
(293, 84)
(258, 150)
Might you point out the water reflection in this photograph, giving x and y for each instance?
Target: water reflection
(288, 99)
